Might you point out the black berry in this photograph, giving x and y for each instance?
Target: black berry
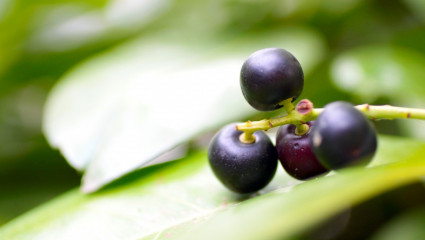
(343, 136)
(242, 167)
(270, 76)
(295, 153)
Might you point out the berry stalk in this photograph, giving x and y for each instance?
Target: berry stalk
(390, 112)
(305, 112)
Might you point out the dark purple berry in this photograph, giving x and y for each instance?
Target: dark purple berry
(242, 167)
(343, 136)
(270, 76)
(295, 153)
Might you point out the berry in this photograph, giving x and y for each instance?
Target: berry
(295, 153)
(242, 167)
(343, 136)
(270, 76)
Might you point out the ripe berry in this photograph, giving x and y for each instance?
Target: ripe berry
(295, 153)
(242, 167)
(270, 76)
(343, 136)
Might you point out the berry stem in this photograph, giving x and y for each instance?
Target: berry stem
(287, 105)
(305, 112)
(390, 112)
(247, 137)
(301, 129)
(292, 118)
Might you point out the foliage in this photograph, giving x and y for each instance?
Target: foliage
(163, 74)
(184, 200)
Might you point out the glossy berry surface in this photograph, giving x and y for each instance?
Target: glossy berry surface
(241, 167)
(295, 153)
(270, 76)
(343, 136)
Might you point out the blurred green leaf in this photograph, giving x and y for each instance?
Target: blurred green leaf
(19, 18)
(416, 6)
(183, 200)
(120, 110)
(142, 203)
(408, 226)
(375, 71)
(334, 7)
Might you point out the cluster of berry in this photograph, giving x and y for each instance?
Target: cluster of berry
(270, 79)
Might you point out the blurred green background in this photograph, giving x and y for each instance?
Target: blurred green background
(374, 51)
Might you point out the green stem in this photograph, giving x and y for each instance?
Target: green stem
(390, 112)
(247, 137)
(287, 105)
(292, 118)
(301, 129)
(297, 118)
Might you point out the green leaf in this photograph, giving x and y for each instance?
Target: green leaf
(408, 226)
(183, 200)
(117, 112)
(416, 6)
(371, 72)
